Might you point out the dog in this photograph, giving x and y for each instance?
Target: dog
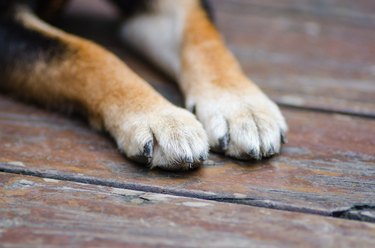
(226, 112)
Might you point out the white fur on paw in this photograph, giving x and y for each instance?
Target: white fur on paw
(171, 139)
(244, 126)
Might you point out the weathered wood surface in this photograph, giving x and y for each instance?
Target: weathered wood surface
(304, 53)
(328, 165)
(359, 12)
(50, 213)
(314, 54)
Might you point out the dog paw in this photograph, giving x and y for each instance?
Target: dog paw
(169, 138)
(244, 125)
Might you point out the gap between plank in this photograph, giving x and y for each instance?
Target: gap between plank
(325, 111)
(344, 213)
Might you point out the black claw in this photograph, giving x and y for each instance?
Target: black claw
(283, 138)
(141, 159)
(148, 149)
(271, 151)
(255, 154)
(146, 156)
(189, 160)
(203, 157)
(223, 144)
(194, 109)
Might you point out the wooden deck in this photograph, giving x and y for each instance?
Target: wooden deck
(64, 185)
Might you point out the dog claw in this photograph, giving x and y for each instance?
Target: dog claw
(188, 160)
(271, 151)
(254, 154)
(194, 109)
(283, 138)
(146, 156)
(148, 149)
(203, 157)
(141, 159)
(223, 144)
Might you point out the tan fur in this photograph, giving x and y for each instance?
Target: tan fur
(205, 58)
(114, 98)
(226, 101)
(179, 38)
(187, 46)
(88, 75)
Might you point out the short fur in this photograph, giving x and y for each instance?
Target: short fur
(47, 65)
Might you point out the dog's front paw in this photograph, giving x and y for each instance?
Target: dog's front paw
(169, 138)
(243, 125)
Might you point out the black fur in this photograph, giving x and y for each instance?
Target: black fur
(206, 4)
(20, 46)
(49, 8)
(4, 6)
(130, 7)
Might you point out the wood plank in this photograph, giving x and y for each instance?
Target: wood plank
(328, 166)
(50, 213)
(359, 12)
(302, 60)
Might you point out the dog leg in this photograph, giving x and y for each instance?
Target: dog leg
(239, 119)
(47, 65)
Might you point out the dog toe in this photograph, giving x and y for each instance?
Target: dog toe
(242, 127)
(171, 140)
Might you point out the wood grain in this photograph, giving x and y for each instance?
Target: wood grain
(303, 59)
(50, 213)
(328, 165)
(338, 11)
